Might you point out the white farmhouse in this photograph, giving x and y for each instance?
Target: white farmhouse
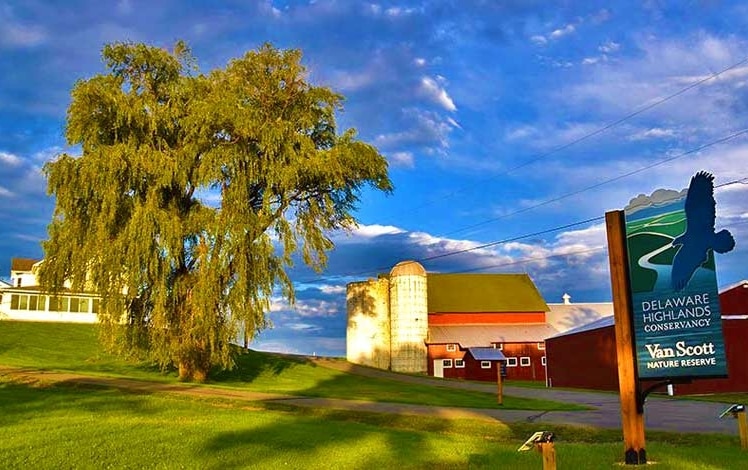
(24, 299)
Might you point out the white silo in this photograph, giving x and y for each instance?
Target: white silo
(408, 317)
(368, 332)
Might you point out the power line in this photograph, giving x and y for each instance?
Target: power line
(603, 183)
(594, 133)
(504, 241)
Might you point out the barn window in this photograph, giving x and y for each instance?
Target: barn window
(447, 363)
(541, 346)
(459, 363)
(485, 364)
(542, 360)
(451, 347)
(498, 346)
(524, 361)
(511, 362)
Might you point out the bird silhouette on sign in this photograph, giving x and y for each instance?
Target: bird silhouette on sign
(694, 244)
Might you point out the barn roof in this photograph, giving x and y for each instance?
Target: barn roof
(565, 317)
(743, 283)
(469, 336)
(22, 264)
(487, 354)
(483, 293)
(595, 325)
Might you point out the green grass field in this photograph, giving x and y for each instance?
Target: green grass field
(68, 347)
(67, 426)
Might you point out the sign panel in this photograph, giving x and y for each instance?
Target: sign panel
(671, 244)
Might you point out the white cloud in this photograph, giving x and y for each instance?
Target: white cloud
(654, 133)
(401, 159)
(10, 159)
(331, 289)
(539, 39)
(419, 61)
(561, 32)
(16, 34)
(436, 93)
(4, 192)
(609, 47)
(427, 129)
(372, 231)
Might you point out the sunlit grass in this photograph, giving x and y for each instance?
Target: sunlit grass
(66, 427)
(66, 347)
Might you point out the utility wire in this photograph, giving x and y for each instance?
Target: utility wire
(508, 240)
(603, 183)
(594, 133)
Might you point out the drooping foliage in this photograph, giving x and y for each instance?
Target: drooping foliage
(192, 193)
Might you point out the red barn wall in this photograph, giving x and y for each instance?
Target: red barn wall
(439, 351)
(536, 369)
(588, 359)
(734, 301)
(583, 360)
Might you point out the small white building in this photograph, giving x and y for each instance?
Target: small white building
(23, 299)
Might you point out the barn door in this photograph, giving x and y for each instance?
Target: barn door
(439, 368)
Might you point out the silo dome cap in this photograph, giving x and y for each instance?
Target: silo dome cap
(408, 268)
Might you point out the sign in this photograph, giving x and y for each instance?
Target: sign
(671, 243)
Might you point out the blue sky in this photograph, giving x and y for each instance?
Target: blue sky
(489, 113)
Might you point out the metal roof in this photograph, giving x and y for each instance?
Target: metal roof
(487, 354)
(565, 317)
(595, 325)
(470, 336)
(483, 293)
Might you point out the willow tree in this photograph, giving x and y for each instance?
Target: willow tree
(192, 194)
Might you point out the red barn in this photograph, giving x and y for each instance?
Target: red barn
(469, 313)
(595, 367)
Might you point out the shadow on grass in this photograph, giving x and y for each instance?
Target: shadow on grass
(23, 401)
(325, 440)
(251, 364)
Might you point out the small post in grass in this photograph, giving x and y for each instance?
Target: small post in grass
(499, 384)
(543, 442)
(738, 412)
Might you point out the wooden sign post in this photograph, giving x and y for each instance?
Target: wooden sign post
(742, 428)
(499, 384)
(632, 415)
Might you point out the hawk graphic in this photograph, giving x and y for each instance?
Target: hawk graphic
(694, 244)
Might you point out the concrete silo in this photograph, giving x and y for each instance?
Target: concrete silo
(368, 331)
(408, 317)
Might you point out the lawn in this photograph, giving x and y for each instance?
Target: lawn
(65, 427)
(68, 347)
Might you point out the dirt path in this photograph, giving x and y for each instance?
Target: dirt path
(667, 415)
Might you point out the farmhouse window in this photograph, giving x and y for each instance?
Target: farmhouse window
(524, 361)
(511, 362)
(485, 364)
(24, 303)
(447, 363)
(459, 363)
(451, 347)
(14, 302)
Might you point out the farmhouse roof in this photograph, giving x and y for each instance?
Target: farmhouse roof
(22, 264)
(470, 336)
(487, 354)
(483, 293)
